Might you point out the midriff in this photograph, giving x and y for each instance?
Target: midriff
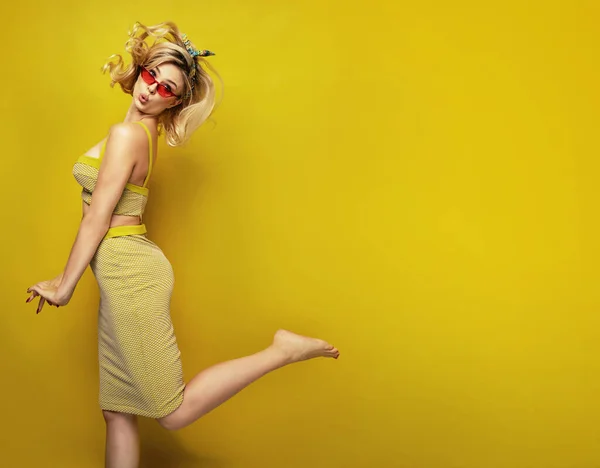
(117, 220)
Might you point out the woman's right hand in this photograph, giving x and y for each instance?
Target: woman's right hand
(48, 292)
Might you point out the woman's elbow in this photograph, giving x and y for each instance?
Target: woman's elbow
(96, 222)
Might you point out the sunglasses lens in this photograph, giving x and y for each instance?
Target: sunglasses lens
(147, 77)
(163, 91)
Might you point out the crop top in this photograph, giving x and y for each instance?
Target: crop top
(134, 197)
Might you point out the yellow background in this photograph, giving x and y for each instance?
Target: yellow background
(413, 181)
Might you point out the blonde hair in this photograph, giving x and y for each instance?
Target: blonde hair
(198, 101)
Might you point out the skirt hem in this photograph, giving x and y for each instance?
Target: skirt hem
(141, 412)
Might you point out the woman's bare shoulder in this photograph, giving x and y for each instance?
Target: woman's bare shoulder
(127, 131)
(128, 136)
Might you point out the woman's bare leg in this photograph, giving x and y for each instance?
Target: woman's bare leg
(219, 383)
(122, 440)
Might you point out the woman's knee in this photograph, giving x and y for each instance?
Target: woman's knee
(171, 422)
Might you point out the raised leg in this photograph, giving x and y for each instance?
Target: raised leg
(218, 383)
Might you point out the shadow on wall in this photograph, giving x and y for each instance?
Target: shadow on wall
(162, 449)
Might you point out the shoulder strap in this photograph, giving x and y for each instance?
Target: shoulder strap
(103, 149)
(150, 152)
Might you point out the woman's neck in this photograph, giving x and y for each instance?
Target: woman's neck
(134, 115)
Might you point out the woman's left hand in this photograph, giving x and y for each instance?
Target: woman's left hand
(49, 291)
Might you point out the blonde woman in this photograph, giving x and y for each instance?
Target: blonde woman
(140, 367)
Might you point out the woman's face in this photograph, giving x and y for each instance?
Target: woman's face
(149, 98)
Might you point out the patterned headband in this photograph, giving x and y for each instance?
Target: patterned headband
(194, 53)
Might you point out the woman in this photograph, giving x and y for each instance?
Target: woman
(140, 367)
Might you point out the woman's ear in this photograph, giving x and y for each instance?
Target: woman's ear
(176, 103)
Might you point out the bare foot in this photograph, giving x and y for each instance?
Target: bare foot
(300, 348)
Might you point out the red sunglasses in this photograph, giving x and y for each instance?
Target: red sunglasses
(163, 90)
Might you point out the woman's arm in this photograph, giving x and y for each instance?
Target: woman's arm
(125, 140)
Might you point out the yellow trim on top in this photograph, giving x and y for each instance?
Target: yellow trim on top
(95, 163)
(137, 189)
(150, 161)
(90, 161)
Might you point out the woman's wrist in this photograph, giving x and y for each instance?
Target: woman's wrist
(64, 291)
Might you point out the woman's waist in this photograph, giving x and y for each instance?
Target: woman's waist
(125, 230)
(124, 220)
(117, 220)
